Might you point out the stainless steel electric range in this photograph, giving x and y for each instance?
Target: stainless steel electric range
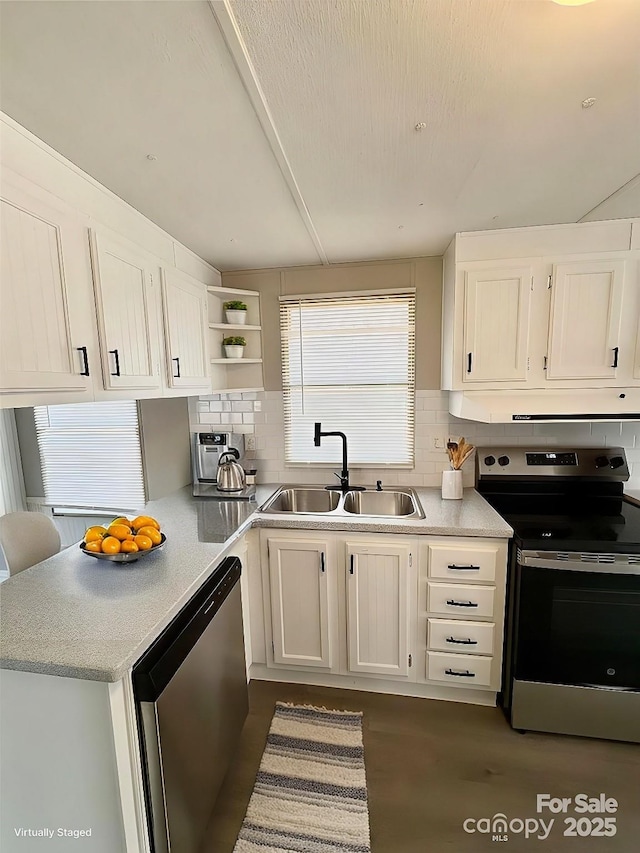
(572, 639)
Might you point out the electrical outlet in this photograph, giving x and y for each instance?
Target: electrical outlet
(250, 442)
(439, 443)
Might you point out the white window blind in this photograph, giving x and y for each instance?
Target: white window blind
(349, 362)
(91, 455)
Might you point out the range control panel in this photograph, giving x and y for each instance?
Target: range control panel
(535, 462)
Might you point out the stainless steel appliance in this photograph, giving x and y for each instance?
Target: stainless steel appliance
(207, 448)
(572, 645)
(191, 702)
(230, 475)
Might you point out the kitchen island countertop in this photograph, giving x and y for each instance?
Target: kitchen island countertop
(79, 617)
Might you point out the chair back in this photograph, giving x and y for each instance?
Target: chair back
(27, 538)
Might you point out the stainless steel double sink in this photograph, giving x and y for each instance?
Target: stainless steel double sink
(314, 500)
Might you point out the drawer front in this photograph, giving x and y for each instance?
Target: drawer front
(463, 600)
(454, 635)
(461, 670)
(462, 563)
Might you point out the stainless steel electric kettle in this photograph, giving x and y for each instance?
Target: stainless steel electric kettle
(230, 476)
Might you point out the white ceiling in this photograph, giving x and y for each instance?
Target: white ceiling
(341, 172)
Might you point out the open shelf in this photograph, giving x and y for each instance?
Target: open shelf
(235, 374)
(235, 326)
(236, 361)
(232, 291)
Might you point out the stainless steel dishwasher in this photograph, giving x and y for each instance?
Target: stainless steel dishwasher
(192, 701)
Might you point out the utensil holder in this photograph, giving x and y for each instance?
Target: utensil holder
(452, 485)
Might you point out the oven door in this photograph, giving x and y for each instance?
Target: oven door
(578, 626)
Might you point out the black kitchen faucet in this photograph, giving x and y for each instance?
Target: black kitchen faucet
(344, 474)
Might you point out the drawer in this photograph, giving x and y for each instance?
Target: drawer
(460, 562)
(463, 600)
(460, 670)
(455, 635)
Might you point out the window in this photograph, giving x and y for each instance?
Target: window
(91, 455)
(349, 362)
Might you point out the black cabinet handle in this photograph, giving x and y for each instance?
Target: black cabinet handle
(85, 361)
(351, 565)
(114, 353)
(177, 361)
(322, 561)
(469, 361)
(455, 603)
(464, 674)
(615, 356)
(467, 642)
(464, 568)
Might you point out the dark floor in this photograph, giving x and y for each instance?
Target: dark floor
(430, 765)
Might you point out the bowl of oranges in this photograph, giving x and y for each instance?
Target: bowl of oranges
(124, 541)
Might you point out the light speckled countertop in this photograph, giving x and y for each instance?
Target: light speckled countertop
(79, 617)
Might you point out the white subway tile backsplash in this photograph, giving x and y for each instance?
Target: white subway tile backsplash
(261, 413)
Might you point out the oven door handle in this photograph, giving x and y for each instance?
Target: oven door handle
(621, 566)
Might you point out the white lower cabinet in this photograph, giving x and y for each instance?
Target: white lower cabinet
(379, 581)
(381, 612)
(456, 635)
(459, 670)
(299, 598)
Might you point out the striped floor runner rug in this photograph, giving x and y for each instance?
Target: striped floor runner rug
(310, 794)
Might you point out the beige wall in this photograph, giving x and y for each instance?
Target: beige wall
(164, 425)
(425, 274)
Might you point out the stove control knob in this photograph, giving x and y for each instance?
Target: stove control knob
(616, 462)
(489, 460)
(503, 460)
(602, 462)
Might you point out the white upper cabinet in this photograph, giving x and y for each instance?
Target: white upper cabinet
(127, 304)
(298, 581)
(378, 578)
(186, 330)
(586, 314)
(496, 324)
(47, 329)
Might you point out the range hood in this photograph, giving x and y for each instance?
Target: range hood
(547, 405)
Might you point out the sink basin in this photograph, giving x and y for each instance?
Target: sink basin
(392, 503)
(303, 500)
(385, 503)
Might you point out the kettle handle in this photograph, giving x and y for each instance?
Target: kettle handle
(231, 452)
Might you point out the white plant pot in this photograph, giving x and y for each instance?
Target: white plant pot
(236, 318)
(451, 485)
(233, 352)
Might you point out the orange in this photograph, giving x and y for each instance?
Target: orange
(95, 534)
(121, 519)
(128, 548)
(129, 537)
(143, 542)
(95, 546)
(152, 533)
(110, 545)
(144, 521)
(120, 531)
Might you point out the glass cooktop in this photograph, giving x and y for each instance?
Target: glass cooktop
(552, 523)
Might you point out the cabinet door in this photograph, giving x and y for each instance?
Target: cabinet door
(299, 602)
(47, 332)
(378, 609)
(185, 323)
(586, 311)
(496, 324)
(127, 305)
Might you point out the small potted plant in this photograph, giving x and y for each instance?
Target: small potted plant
(234, 346)
(235, 312)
